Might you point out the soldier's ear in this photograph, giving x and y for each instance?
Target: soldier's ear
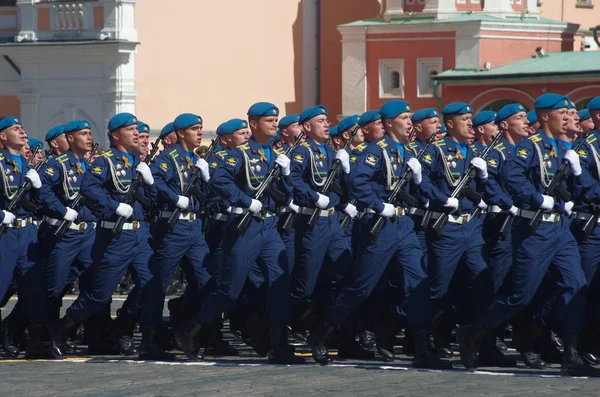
(449, 123)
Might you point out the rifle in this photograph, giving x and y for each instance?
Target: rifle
(34, 152)
(555, 188)
(263, 188)
(398, 192)
(77, 202)
(463, 186)
(189, 188)
(23, 189)
(136, 184)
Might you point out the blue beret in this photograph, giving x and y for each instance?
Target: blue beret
(9, 122)
(594, 103)
(551, 101)
(425, 113)
(277, 137)
(263, 109)
(167, 129)
(443, 128)
(334, 131)
(309, 113)
(484, 117)
(143, 128)
(368, 117)
(288, 120)
(121, 120)
(77, 125)
(231, 126)
(186, 120)
(584, 114)
(34, 143)
(508, 110)
(54, 132)
(391, 109)
(347, 123)
(532, 117)
(457, 108)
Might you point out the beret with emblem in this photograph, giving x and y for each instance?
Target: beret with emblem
(425, 113)
(532, 117)
(143, 128)
(551, 101)
(121, 120)
(594, 103)
(54, 132)
(35, 143)
(9, 122)
(392, 109)
(186, 120)
(508, 110)
(334, 131)
(584, 114)
(457, 108)
(347, 123)
(261, 109)
(484, 117)
(77, 125)
(309, 113)
(571, 104)
(368, 117)
(231, 126)
(288, 120)
(167, 129)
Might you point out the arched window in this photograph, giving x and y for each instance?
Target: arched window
(582, 103)
(395, 80)
(498, 104)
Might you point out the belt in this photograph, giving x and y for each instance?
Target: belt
(552, 217)
(400, 211)
(416, 211)
(284, 210)
(328, 213)
(80, 227)
(494, 209)
(220, 217)
(190, 216)
(19, 223)
(459, 219)
(584, 216)
(263, 214)
(36, 222)
(135, 225)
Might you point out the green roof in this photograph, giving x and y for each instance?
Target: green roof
(464, 17)
(566, 64)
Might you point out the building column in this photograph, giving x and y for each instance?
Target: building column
(498, 7)
(531, 7)
(27, 20)
(354, 69)
(440, 9)
(119, 20)
(393, 10)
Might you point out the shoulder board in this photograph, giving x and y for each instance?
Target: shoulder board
(221, 153)
(473, 147)
(591, 138)
(361, 147)
(173, 153)
(382, 143)
(305, 144)
(500, 147)
(279, 151)
(440, 143)
(413, 145)
(244, 146)
(535, 138)
(107, 154)
(1, 156)
(63, 158)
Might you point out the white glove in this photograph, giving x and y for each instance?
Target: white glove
(415, 167)
(183, 202)
(228, 209)
(124, 210)
(293, 207)
(482, 205)
(143, 169)
(513, 210)
(71, 215)
(9, 218)
(548, 203)
(568, 206)
(480, 166)
(344, 158)
(284, 163)
(573, 158)
(33, 176)
(202, 165)
(388, 210)
(351, 210)
(255, 206)
(452, 203)
(322, 202)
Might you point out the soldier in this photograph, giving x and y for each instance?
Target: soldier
(585, 120)
(144, 139)
(62, 177)
(550, 246)
(236, 180)
(534, 124)
(168, 135)
(290, 129)
(57, 140)
(104, 188)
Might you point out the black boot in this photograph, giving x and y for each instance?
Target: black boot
(277, 355)
(216, 345)
(573, 364)
(184, 336)
(385, 336)
(7, 340)
(56, 345)
(367, 339)
(469, 339)
(350, 348)
(149, 350)
(489, 356)
(408, 346)
(318, 343)
(424, 357)
(442, 329)
(36, 348)
(124, 325)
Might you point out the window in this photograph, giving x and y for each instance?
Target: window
(584, 3)
(426, 68)
(391, 78)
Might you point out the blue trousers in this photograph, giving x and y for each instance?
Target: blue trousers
(589, 250)
(112, 257)
(552, 248)
(498, 251)
(397, 253)
(260, 246)
(20, 257)
(289, 242)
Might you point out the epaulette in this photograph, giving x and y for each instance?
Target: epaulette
(440, 143)
(361, 147)
(221, 153)
(413, 145)
(305, 144)
(535, 138)
(591, 138)
(174, 154)
(279, 151)
(107, 154)
(1, 157)
(473, 147)
(63, 158)
(244, 146)
(382, 143)
(500, 147)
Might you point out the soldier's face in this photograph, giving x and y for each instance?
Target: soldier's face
(517, 124)
(170, 139)
(291, 132)
(573, 121)
(128, 138)
(461, 127)
(81, 140)
(533, 127)
(428, 127)
(267, 125)
(318, 128)
(557, 120)
(358, 138)
(13, 137)
(237, 138)
(586, 124)
(191, 136)
(401, 126)
(488, 130)
(143, 141)
(373, 131)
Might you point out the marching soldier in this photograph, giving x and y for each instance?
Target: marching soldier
(144, 139)
(57, 140)
(585, 120)
(534, 124)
